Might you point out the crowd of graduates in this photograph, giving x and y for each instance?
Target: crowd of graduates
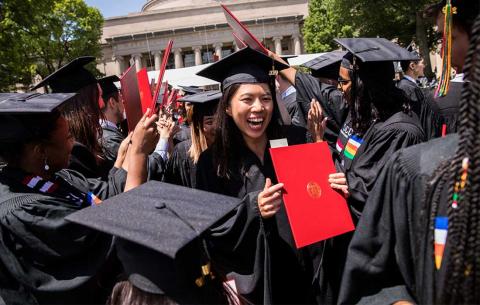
(184, 206)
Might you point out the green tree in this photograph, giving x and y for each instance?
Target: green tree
(325, 22)
(392, 19)
(39, 36)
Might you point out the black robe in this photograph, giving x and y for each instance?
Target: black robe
(331, 100)
(260, 252)
(380, 141)
(294, 110)
(111, 140)
(182, 135)
(44, 258)
(180, 168)
(390, 257)
(440, 111)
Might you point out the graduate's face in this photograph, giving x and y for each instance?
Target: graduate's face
(418, 68)
(344, 81)
(208, 129)
(59, 146)
(251, 108)
(460, 43)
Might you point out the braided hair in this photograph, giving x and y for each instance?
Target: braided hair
(463, 265)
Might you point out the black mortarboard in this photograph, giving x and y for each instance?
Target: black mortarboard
(159, 226)
(369, 50)
(189, 90)
(326, 65)
(242, 67)
(108, 85)
(202, 98)
(15, 105)
(70, 78)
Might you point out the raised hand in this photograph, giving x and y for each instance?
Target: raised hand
(316, 121)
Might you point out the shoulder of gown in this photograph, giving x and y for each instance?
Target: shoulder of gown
(383, 262)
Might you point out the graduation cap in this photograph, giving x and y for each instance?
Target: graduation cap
(326, 65)
(159, 227)
(108, 86)
(15, 105)
(243, 67)
(189, 90)
(70, 78)
(370, 50)
(375, 55)
(202, 98)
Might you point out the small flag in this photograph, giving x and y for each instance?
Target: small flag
(92, 199)
(352, 147)
(339, 145)
(440, 235)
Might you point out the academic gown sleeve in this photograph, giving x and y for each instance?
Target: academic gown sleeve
(380, 247)
(56, 261)
(111, 141)
(330, 99)
(372, 156)
(390, 257)
(179, 166)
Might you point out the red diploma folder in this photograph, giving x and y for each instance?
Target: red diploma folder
(131, 97)
(315, 211)
(242, 33)
(144, 89)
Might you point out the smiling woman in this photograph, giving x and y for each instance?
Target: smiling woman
(263, 259)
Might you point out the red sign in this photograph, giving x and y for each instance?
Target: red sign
(315, 211)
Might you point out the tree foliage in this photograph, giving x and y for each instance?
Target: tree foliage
(39, 36)
(324, 23)
(391, 19)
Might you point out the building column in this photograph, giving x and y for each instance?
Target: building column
(297, 46)
(218, 49)
(198, 55)
(137, 58)
(178, 58)
(237, 48)
(120, 63)
(278, 44)
(158, 59)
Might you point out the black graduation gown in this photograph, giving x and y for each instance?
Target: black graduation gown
(180, 168)
(331, 100)
(260, 252)
(111, 140)
(390, 257)
(294, 110)
(182, 135)
(42, 256)
(380, 141)
(441, 111)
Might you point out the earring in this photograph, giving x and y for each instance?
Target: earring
(46, 167)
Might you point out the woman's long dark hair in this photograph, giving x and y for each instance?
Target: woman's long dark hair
(83, 115)
(229, 144)
(463, 265)
(373, 95)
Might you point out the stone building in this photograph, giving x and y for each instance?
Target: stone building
(199, 30)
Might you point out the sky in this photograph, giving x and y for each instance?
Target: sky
(111, 8)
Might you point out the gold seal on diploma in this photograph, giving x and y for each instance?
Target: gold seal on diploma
(314, 190)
